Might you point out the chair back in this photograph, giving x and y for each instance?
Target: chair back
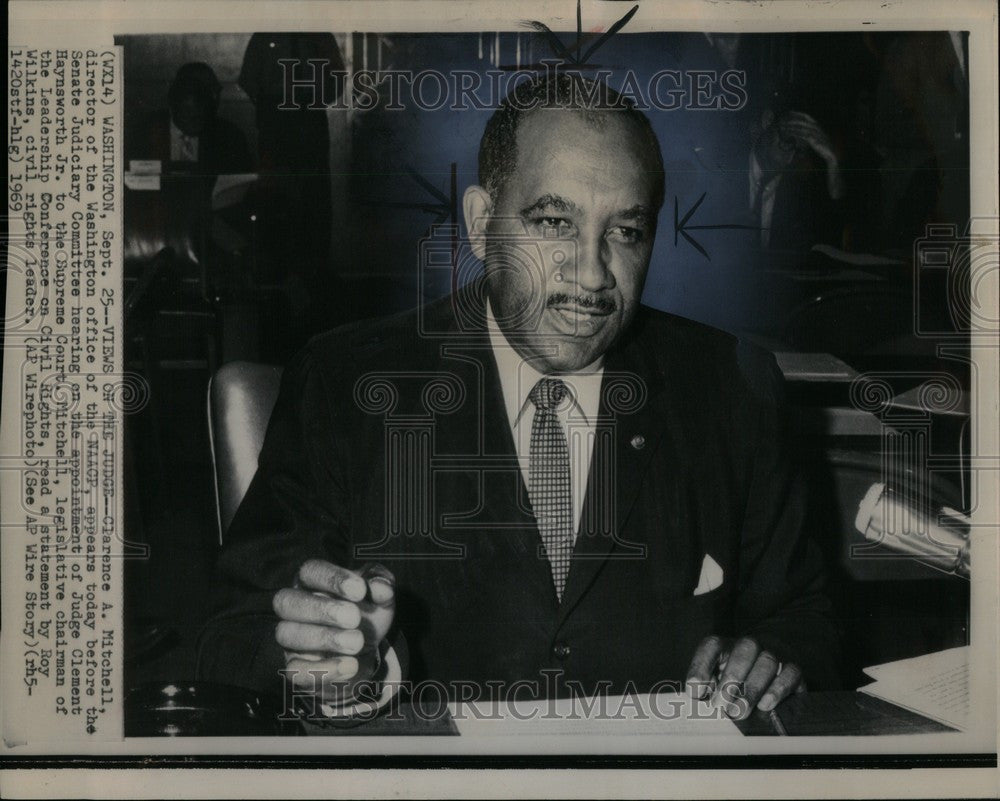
(241, 396)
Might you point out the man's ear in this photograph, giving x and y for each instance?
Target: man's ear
(477, 205)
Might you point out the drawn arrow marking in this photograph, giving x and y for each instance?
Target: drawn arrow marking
(570, 54)
(681, 226)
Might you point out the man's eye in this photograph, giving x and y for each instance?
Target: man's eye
(553, 226)
(624, 233)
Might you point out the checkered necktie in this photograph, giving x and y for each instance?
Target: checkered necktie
(548, 479)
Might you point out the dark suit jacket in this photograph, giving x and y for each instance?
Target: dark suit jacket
(222, 148)
(690, 460)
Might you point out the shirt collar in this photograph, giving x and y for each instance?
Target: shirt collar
(177, 133)
(518, 376)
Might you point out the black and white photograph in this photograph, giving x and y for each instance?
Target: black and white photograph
(509, 388)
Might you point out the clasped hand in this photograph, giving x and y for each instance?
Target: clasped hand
(332, 622)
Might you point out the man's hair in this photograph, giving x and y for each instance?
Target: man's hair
(195, 79)
(562, 91)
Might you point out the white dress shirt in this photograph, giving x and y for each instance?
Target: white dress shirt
(577, 414)
(182, 146)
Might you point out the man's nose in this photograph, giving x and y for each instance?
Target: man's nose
(593, 258)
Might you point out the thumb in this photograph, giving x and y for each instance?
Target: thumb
(381, 584)
(379, 607)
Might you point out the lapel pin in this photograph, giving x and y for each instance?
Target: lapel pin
(638, 442)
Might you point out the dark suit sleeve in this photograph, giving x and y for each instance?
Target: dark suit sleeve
(781, 602)
(295, 509)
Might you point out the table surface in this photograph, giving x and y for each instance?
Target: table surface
(825, 714)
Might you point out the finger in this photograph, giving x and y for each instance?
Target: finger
(316, 574)
(808, 132)
(802, 129)
(295, 636)
(816, 142)
(761, 675)
(308, 656)
(381, 584)
(376, 620)
(799, 116)
(315, 675)
(783, 129)
(702, 668)
(303, 606)
(803, 137)
(741, 660)
(803, 123)
(799, 138)
(784, 684)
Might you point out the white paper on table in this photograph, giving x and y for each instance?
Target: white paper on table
(934, 685)
(141, 182)
(614, 715)
(145, 166)
(924, 664)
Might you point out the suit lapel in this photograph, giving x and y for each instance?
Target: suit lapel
(635, 411)
(485, 495)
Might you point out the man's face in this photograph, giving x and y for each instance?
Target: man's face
(569, 239)
(190, 115)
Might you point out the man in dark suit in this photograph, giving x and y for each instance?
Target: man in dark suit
(536, 474)
(189, 136)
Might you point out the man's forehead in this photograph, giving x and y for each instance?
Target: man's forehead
(575, 185)
(563, 146)
(555, 127)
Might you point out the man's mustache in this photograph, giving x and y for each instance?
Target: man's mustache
(599, 304)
